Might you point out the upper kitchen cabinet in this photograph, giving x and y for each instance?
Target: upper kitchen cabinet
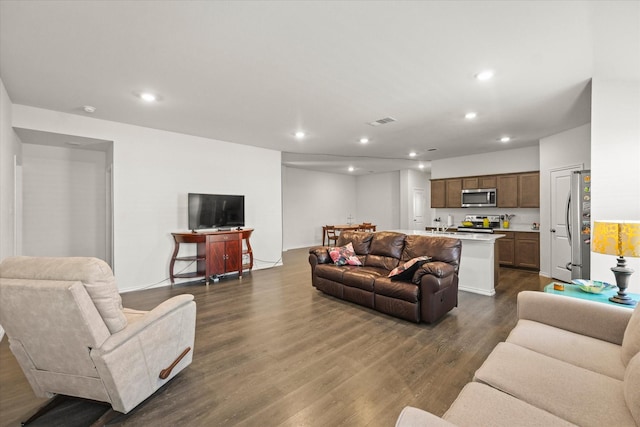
(438, 193)
(507, 191)
(528, 190)
(454, 193)
(488, 181)
(470, 183)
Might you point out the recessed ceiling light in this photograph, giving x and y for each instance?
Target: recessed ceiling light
(412, 154)
(470, 115)
(300, 134)
(149, 97)
(364, 140)
(421, 166)
(484, 75)
(89, 109)
(351, 168)
(505, 139)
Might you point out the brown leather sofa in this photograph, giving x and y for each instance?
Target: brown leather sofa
(431, 293)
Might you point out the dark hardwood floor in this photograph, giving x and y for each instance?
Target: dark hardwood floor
(272, 351)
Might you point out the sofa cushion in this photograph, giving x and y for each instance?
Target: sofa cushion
(632, 387)
(580, 350)
(360, 240)
(330, 272)
(344, 255)
(94, 273)
(631, 340)
(443, 249)
(567, 391)
(406, 291)
(480, 405)
(406, 270)
(362, 278)
(387, 244)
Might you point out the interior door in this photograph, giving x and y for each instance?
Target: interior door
(560, 247)
(419, 203)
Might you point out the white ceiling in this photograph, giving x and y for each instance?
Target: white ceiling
(254, 72)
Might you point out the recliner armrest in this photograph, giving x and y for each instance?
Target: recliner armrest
(322, 254)
(436, 268)
(131, 330)
(589, 318)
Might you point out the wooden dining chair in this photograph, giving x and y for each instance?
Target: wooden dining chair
(366, 226)
(331, 234)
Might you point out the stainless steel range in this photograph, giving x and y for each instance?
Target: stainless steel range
(479, 225)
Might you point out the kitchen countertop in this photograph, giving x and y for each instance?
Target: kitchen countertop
(480, 237)
(517, 227)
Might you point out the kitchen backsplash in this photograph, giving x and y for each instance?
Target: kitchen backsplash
(522, 216)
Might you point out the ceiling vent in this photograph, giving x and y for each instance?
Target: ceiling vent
(382, 121)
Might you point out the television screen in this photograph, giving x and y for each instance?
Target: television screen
(215, 211)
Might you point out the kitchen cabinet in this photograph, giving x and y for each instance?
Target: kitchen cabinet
(470, 183)
(489, 181)
(507, 186)
(527, 250)
(454, 193)
(520, 249)
(529, 190)
(438, 193)
(506, 248)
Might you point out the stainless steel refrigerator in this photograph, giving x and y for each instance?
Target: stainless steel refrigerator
(579, 224)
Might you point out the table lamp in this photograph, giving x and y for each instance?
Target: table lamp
(621, 238)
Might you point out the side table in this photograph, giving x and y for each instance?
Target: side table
(574, 291)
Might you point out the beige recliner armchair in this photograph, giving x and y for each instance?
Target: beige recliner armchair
(68, 330)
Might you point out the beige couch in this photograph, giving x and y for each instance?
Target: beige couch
(567, 362)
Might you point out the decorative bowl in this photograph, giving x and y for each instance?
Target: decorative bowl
(467, 223)
(592, 286)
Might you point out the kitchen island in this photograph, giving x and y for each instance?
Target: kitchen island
(479, 270)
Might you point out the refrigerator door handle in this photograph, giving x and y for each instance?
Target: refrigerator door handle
(568, 217)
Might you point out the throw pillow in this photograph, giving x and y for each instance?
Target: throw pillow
(406, 270)
(344, 255)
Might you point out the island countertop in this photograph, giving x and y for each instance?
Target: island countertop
(482, 237)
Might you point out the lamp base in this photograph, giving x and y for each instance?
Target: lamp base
(622, 274)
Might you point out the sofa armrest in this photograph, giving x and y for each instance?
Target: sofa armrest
(589, 318)
(414, 417)
(438, 269)
(322, 254)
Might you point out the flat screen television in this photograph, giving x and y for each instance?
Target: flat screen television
(215, 211)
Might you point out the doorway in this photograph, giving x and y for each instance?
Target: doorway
(419, 204)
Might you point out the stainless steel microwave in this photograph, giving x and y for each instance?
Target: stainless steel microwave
(479, 198)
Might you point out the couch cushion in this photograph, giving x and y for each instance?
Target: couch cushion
(362, 278)
(331, 272)
(631, 340)
(360, 240)
(580, 350)
(632, 387)
(480, 405)
(386, 249)
(95, 275)
(406, 291)
(575, 394)
(443, 249)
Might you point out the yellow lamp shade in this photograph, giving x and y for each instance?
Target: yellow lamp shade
(621, 238)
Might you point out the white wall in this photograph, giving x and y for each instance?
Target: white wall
(507, 161)
(562, 150)
(615, 124)
(64, 202)
(154, 170)
(378, 200)
(313, 199)
(9, 153)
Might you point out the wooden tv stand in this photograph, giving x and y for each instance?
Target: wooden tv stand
(218, 252)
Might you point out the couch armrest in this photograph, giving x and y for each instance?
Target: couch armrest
(438, 269)
(589, 318)
(414, 417)
(322, 254)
